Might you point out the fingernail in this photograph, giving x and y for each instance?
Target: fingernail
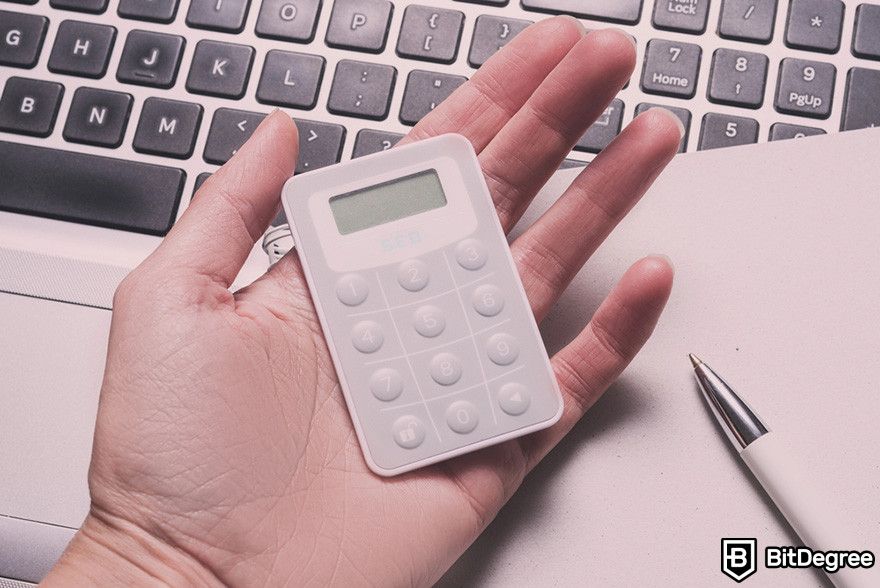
(670, 114)
(665, 258)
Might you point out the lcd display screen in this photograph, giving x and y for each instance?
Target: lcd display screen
(387, 202)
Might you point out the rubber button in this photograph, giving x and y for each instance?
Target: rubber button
(386, 384)
(462, 417)
(409, 432)
(429, 321)
(412, 275)
(470, 254)
(513, 398)
(502, 348)
(352, 289)
(445, 369)
(487, 300)
(367, 337)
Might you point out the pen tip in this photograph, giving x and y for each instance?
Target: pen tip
(694, 359)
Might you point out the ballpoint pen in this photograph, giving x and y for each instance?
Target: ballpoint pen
(796, 494)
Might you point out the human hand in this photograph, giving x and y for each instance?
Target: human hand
(223, 450)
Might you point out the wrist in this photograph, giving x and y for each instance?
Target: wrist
(108, 550)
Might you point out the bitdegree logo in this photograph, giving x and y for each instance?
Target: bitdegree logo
(804, 557)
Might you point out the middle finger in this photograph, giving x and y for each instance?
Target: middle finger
(526, 152)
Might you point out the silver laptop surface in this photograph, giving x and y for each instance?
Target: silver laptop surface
(154, 96)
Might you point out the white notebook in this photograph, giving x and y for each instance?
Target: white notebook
(777, 255)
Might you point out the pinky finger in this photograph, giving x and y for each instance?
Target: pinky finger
(588, 365)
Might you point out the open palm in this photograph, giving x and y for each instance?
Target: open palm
(224, 452)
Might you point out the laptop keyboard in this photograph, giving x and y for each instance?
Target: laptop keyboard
(114, 111)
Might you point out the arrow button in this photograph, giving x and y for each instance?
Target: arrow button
(230, 128)
(321, 144)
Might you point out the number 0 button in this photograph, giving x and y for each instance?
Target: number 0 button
(413, 275)
(462, 417)
(366, 336)
(487, 300)
(445, 369)
(470, 254)
(352, 289)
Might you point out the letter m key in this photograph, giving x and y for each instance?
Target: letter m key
(739, 558)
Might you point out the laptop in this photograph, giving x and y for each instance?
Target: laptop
(113, 112)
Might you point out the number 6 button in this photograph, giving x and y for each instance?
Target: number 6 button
(487, 300)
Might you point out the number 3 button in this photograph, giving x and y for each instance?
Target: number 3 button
(470, 254)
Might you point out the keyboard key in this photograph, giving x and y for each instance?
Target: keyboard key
(487, 2)
(218, 15)
(90, 189)
(430, 34)
(220, 69)
(747, 20)
(97, 117)
(200, 179)
(683, 115)
(570, 163)
(82, 49)
(29, 107)
(229, 130)
(622, 11)
(320, 144)
(685, 16)
(603, 131)
(288, 20)
(23, 1)
(167, 127)
(162, 11)
(424, 91)
(92, 6)
(361, 89)
(21, 38)
(491, 33)
(671, 68)
(369, 141)
(290, 79)
(782, 131)
(150, 59)
(723, 130)
(361, 25)
(814, 25)
(866, 38)
(861, 105)
(738, 78)
(805, 88)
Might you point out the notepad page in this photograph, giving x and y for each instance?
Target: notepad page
(777, 256)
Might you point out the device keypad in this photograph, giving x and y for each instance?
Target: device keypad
(441, 349)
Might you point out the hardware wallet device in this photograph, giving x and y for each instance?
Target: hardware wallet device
(431, 334)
